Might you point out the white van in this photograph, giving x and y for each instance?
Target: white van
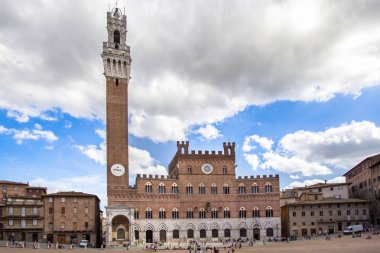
(83, 243)
(353, 229)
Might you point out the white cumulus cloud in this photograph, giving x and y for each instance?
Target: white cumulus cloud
(208, 132)
(190, 79)
(249, 143)
(310, 153)
(30, 134)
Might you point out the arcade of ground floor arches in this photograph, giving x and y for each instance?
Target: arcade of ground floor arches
(214, 235)
(122, 227)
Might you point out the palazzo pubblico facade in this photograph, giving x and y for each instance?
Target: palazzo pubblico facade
(200, 199)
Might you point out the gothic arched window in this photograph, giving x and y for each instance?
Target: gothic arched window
(161, 188)
(162, 213)
(214, 189)
(202, 189)
(227, 213)
(175, 213)
(148, 213)
(255, 188)
(255, 212)
(242, 213)
(241, 189)
(148, 187)
(214, 213)
(268, 187)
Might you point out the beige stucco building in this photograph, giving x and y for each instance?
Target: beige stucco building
(312, 214)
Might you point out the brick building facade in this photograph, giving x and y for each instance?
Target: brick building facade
(317, 212)
(364, 180)
(71, 217)
(200, 199)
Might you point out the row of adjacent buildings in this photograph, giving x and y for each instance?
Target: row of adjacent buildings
(323, 207)
(319, 209)
(29, 214)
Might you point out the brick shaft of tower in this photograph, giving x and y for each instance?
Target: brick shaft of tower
(117, 66)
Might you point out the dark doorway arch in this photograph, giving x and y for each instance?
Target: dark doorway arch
(256, 233)
(227, 233)
(243, 232)
(162, 235)
(202, 233)
(149, 236)
(190, 233)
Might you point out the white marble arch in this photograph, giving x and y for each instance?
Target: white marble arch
(227, 225)
(243, 225)
(118, 210)
(149, 226)
(202, 226)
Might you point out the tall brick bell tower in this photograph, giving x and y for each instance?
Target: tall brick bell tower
(117, 66)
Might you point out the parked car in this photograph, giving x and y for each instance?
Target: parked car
(83, 243)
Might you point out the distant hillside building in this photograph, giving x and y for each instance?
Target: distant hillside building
(201, 198)
(21, 212)
(364, 180)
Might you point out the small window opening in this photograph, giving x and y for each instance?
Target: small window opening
(116, 38)
(117, 82)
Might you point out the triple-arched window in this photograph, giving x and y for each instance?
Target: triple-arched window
(256, 212)
(175, 213)
(202, 189)
(227, 213)
(189, 189)
(162, 213)
(161, 188)
(268, 187)
(255, 188)
(148, 187)
(241, 189)
(269, 211)
(214, 213)
(174, 188)
(226, 189)
(148, 213)
(242, 212)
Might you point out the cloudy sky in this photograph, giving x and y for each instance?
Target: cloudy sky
(295, 84)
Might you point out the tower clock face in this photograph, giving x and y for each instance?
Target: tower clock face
(207, 168)
(117, 170)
